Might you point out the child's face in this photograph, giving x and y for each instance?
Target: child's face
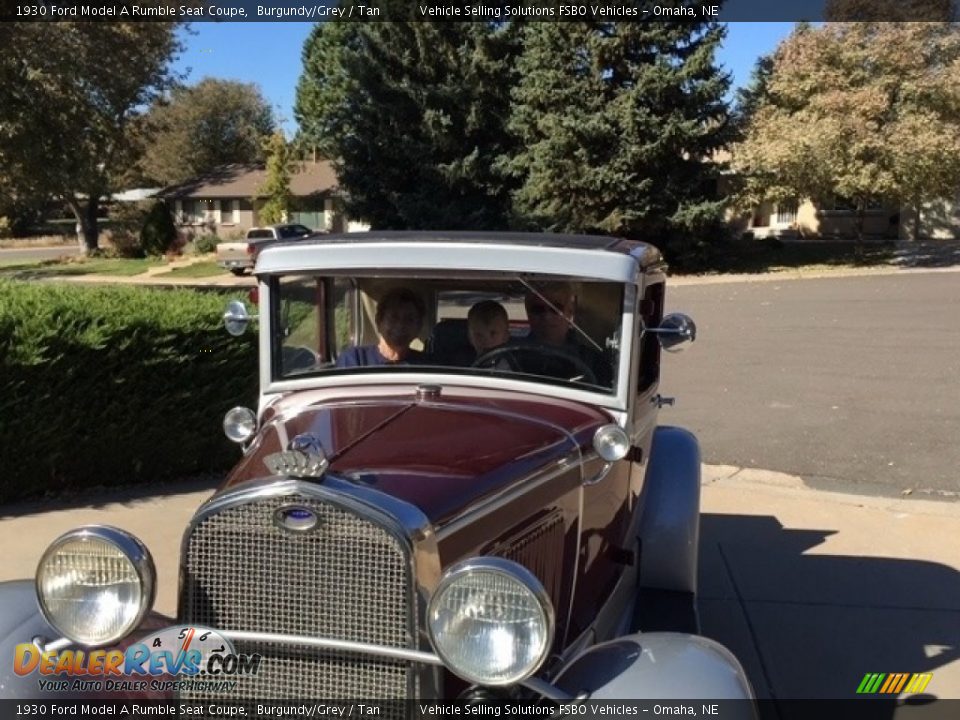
(486, 336)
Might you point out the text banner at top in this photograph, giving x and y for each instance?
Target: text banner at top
(488, 11)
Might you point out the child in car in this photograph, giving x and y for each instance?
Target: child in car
(488, 326)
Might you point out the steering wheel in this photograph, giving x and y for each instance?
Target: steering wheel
(545, 360)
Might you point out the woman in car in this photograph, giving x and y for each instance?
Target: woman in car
(399, 319)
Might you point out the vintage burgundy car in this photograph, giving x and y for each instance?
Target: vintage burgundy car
(417, 516)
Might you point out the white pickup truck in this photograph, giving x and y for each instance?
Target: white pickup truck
(238, 257)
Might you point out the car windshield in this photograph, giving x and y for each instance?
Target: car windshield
(546, 329)
(292, 231)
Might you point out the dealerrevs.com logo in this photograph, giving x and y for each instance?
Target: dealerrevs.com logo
(176, 658)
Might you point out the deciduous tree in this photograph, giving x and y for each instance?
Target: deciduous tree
(863, 111)
(69, 95)
(198, 128)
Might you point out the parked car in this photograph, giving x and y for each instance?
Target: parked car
(239, 257)
(444, 526)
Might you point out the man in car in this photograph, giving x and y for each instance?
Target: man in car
(550, 312)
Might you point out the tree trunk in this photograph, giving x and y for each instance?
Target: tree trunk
(861, 222)
(915, 229)
(91, 228)
(88, 230)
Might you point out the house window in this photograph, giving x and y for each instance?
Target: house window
(786, 212)
(842, 204)
(188, 211)
(199, 211)
(209, 211)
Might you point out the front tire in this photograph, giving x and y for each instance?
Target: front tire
(239, 272)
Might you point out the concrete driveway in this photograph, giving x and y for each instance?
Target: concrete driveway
(811, 590)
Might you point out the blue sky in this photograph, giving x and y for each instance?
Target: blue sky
(268, 54)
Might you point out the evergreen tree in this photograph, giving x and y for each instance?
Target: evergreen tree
(276, 187)
(412, 114)
(754, 94)
(617, 123)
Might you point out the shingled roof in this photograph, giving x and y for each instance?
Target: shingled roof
(245, 181)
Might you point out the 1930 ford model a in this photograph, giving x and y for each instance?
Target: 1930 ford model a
(512, 523)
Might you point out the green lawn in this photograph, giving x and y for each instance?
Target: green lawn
(206, 268)
(95, 266)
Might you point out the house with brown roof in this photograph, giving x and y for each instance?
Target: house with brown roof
(227, 200)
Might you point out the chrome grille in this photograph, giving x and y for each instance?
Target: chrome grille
(349, 579)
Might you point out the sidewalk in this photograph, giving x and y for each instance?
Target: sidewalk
(811, 590)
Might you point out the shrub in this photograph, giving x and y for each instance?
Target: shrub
(159, 233)
(126, 221)
(206, 243)
(125, 245)
(115, 385)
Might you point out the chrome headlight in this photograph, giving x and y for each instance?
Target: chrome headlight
(491, 621)
(95, 584)
(611, 443)
(240, 424)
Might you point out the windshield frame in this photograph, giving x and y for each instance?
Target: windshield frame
(271, 381)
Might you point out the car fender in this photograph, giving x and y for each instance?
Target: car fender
(658, 666)
(669, 530)
(21, 621)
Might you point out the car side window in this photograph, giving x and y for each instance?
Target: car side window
(651, 313)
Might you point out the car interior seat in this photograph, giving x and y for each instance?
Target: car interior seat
(449, 343)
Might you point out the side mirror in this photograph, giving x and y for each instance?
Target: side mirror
(236, 318)
(675, 330)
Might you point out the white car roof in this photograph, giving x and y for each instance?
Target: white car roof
(579, 256)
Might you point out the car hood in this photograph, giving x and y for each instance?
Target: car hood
(440, 455)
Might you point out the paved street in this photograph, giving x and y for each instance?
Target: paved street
(851, 383)
(25, 255)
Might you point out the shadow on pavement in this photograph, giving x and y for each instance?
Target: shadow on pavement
(99, 498)
(926, 254)
(810, 626)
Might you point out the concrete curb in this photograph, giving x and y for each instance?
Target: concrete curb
(801, 275)
(783, 484)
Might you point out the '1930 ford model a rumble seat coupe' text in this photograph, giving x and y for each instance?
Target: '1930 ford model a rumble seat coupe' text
(420, 515)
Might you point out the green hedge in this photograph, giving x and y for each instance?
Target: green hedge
(115, 385)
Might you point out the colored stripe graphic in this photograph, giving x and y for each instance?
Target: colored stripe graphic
(893, 683)
(870, 683)
(922, 680)
(891, 679)
(903, 681)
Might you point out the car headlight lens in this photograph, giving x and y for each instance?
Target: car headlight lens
(240, 424)
(611, 443)
(491, 621)
(95, 584)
